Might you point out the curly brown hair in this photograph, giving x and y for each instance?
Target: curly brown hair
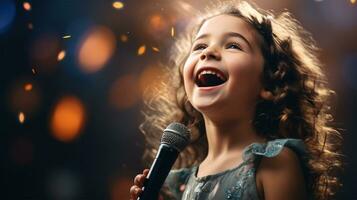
(298, 107)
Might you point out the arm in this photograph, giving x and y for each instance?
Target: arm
(281, 177)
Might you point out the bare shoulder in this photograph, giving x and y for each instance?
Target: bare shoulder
(281, 177)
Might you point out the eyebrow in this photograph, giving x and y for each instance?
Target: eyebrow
(228, 34)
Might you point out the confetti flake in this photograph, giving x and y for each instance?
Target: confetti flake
(61, 55)
(21, 117)
(118, 5)
(66, 36)
(33, 71)
(155, 49)
(27, 6)
(141, 50)
(28, 87)
(172, 32)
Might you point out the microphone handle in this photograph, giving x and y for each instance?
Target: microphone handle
(164, 160)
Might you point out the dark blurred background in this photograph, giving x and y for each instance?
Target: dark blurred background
(72, 80)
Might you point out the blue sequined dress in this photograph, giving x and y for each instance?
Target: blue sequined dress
(237, 183)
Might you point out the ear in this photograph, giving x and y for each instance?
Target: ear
(266, 95)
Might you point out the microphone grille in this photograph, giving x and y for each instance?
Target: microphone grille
(176, 135)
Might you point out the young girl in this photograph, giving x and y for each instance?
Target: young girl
(251, 89)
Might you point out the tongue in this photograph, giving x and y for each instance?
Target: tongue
(207, 80)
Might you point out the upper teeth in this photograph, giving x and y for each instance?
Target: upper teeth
(210, 72)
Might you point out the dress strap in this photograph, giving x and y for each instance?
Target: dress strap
(273, 148)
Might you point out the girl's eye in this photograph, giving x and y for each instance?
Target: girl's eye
(234, 45)
(199, 47)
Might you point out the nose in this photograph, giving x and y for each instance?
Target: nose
(210, 53)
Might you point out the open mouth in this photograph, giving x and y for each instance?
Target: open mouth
(208, 77)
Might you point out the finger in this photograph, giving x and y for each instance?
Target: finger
(134, 192)
(145, 172)
(139, 180)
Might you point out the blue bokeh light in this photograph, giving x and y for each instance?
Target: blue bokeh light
(7, 14)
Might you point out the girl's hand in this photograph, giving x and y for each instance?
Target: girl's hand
(135, 190)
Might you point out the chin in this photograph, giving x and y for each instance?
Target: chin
(207, 106)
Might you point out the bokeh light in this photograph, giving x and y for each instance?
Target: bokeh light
(44, 52)
(158, 25)
(30, 26)
(27, 6)
(28, 87)
(67, 119)
(124, 92)
(123, 38)
(61, 55)
(149, 78)
(7, 13)
(21, 117)
(23, 100)
(141, 50)
(120, 188)
(157, 22)
(96, 49)
(118, 5)
(63, 184)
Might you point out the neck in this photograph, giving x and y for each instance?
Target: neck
(229, 137)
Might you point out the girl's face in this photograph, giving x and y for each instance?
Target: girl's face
(222, 74)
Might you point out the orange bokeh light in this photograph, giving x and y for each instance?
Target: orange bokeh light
(67, 119)
(96, 49)
(123, 38)
(124, 92)
(120, 188)
(157, 23)
(61, 55)
(21, 117)
(149, 78)
(27, 6)
(28, 87)
(24, 96)
(141, 50)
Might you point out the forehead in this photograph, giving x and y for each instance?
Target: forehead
(220, 24)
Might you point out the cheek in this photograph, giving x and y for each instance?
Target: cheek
(187, 73)
(247, 74)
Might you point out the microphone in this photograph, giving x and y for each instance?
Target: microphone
(174, 139)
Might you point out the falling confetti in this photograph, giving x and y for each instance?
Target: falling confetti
(123, 38)
(118, 5)
(21, 117)
(28, 87)
(155, 49)
(66, 37)
(27, 6)
(61, 55)
(141, 50)
(172, 32)
(33, 71)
